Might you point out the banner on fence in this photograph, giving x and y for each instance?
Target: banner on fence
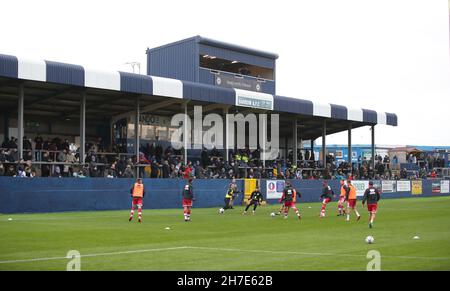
(416, 188)
(445, 186)
(403, 186)
(360, 187)
(274, 189)
(388, 186)
(436, 187)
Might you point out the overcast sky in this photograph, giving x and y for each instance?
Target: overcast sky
(386, 55)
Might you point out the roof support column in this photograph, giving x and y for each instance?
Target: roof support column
(263, 132)
(6, 124)
(349, 149)
(82, 126)
(185, 132)
(295, 141)
(373, 146)
(225, 136)
(137, 113)
(20, 122)
(324, 143)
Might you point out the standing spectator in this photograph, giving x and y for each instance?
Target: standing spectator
(187, 171)
(165, 170)
(128, 172)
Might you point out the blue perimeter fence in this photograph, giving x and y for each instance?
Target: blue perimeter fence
(21, 195)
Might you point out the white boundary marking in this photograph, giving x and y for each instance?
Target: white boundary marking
(221, 250)
(94, 255)
(315, 254)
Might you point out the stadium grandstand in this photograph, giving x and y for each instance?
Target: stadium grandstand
(66, 120)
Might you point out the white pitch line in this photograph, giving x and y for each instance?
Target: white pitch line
(222, 250)
(314, 254)
(94, 255)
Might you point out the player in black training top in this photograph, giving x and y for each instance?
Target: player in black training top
(188, 197)
(371, 196)
(255, 199)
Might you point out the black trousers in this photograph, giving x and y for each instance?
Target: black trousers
(254, 203)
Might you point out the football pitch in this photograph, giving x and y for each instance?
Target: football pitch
(107, 241)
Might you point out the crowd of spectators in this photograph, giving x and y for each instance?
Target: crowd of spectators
(60, 158)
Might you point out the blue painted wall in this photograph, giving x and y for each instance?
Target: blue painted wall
(20, 195)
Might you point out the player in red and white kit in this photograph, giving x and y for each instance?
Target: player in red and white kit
(137, 193)
(327, 196)
(372, 196)
(289, 198)
(344, 191)
(188, 197)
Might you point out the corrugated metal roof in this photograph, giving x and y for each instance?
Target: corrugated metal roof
(8, 66)
(75, 75)
(338, 111)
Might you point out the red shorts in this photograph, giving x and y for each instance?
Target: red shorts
(187, 202)
(341, 200)
(351, 203)
(326, 200)
(137, 201)
(289, 204)
(372, 208)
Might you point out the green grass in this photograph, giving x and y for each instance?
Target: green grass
(232, 241)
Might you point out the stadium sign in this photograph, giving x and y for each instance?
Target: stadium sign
(150, 119)
(254, 99)
(239, 83)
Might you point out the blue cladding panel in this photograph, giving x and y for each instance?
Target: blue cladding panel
(237, 56)
(206, 77)
(65, 73)
(370, 116)
(206, 93)
(135, 83)
(177, 61)
(268, 87)
(391, 119)
(293, 105)
(9, 66)
(338, 112)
